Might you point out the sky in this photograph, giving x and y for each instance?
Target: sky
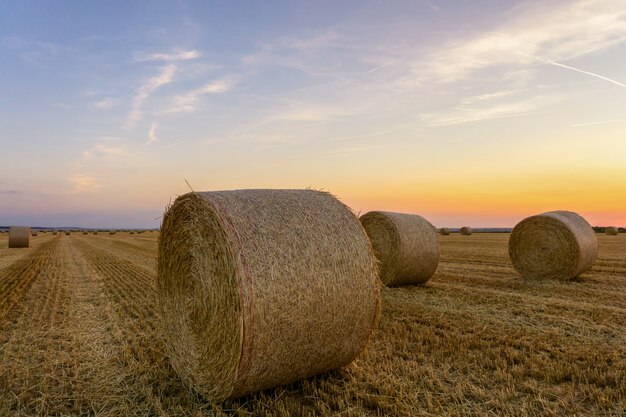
(474, 114)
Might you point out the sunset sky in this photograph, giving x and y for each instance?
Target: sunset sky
(475, 116)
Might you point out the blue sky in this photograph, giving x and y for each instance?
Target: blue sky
(466, 114)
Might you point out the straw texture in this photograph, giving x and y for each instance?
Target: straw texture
(444, 231)
(406, 245)
(259, 288)
(556, 245)
(611, 231)
(19, 237)
(466, 231)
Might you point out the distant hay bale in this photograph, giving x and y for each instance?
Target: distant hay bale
(95, 233)
(406, 246)
(444, 231)
(54, 233)
(611, 231)
(34, 232)
(259, 288)
(112, 232)
(19, 237)
(85, 233)
(466, 231)
(132, 233)
(67, 233)
(556, 244)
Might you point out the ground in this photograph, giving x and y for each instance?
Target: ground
(79, 335)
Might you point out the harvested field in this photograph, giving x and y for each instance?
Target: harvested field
(79, 334)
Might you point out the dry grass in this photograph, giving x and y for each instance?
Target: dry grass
(83, 339)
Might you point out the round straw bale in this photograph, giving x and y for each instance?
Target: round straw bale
(556, 244)
(19, 237)
(466, 231)
(406, 246)
(444, 231)
(85, 232)
(112, 232)
(67, 233)
(54, 233)
(34, 232)
(611, 231)
(259, 288)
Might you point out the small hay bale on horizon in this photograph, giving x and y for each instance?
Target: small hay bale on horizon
(34, 232)
(553, 245)
(112, 232)
(611, 231)
(19, 236)
(406, 246)
(444, 231)
(466, 231)
(67, 233)
(260, 288)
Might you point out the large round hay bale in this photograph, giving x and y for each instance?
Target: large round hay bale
(611, 231)
(444, 231)
(556, 244)
(259, 288)
(466, 231)
(406, 245)
(19, 237)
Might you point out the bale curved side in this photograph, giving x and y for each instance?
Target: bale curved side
(466, 231)
(611, 231)
(256, 288)
(553, 245)
(19, 237)
(406, 246)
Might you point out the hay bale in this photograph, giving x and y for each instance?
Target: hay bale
(95, 233)
(132, 233)
(611, 231)
(112, 232)
(556, 244)
(67, 233)
(34, 232)
(85, 232)
(259, 288)
(54, 233)
(444, 231)
(466, 231)
(405, 245)
(19, 236)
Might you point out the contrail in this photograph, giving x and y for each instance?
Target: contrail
(377, 68)
(599, 122)
(588, 73)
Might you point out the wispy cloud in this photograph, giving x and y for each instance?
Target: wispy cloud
(83, 183)
(171, 57)
(189, 101)
(503, 110)
(534, 29)
(107, 148)
(151, 85)
(106, 103)
(152, 136)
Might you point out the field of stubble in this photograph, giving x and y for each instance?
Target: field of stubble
(79, 335)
